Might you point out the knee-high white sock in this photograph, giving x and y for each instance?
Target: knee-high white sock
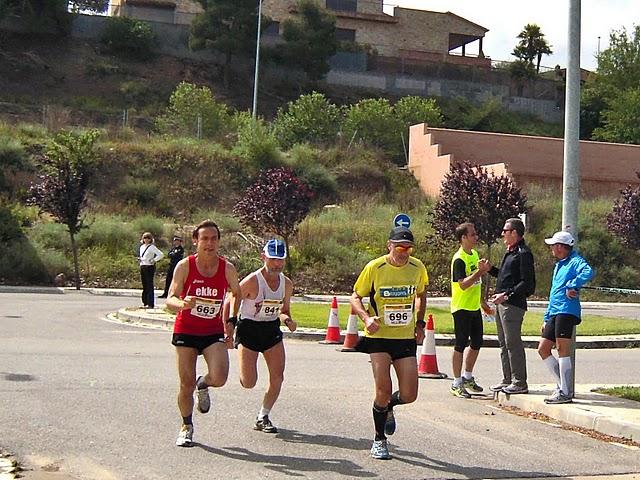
(565, 370)
(552, 364)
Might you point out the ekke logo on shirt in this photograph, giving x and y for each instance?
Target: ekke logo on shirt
(397, 292)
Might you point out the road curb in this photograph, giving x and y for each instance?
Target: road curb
(158, 317)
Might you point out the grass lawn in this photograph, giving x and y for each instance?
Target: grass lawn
(315, 315)
(631, 393)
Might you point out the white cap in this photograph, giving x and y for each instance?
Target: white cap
(560, 237)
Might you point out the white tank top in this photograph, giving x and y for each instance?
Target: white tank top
(267, 304)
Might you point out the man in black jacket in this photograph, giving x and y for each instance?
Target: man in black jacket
(175, 255)
(516, 281)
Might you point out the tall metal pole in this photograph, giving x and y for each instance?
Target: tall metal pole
(571, 170)
(254, 109)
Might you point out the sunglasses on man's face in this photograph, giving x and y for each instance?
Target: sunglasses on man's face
(403, 248)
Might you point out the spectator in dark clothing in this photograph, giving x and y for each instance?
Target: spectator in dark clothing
(516, 281)
(175, 255)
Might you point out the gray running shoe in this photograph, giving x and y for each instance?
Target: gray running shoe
(265, 425)
(459, 391)
(390, 423)
(380, 450)
(515, 390)
(498, 387)
(470, 384)
(558, 398)
(185, 437)
(203, 402)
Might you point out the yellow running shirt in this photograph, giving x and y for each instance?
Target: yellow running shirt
(391, 292)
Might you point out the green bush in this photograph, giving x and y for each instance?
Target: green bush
(51, 236)
(306, 164)
(109, 233)
(99, 267)
(128, 37)
(256, 144)
(310, 119)
(22, 264)
(189, 102)
(151, 224)
(141, 192)
(412, 110)
(373, 122)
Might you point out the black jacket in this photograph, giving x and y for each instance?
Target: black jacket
(176, 254)
(516, 276)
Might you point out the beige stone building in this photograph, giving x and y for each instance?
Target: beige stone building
(605, 168)
(412, 35)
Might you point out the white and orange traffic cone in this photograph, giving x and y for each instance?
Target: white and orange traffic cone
(351, 336)
(428, 363)
(333, 327)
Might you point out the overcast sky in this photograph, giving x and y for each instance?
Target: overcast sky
(506, 18)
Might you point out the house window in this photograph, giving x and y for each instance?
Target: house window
(345, 35)
(273, 30)
(343, 5)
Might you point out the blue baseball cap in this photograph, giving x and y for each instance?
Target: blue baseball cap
(275, 249)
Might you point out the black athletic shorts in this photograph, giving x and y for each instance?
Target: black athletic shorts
(397, 348)
(199, 342)
(560, 326)
(467, 325)
(258, 336)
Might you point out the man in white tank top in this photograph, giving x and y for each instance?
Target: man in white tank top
(266, 296)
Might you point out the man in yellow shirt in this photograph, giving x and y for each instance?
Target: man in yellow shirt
(466, 299)
(395, 285)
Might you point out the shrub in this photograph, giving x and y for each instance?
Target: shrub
(151, 224)
(373, 122)
(256, 144)
(110, 233)
(311, 118)
(128, 37)
(141, 192)
(189, 102)
(304, 161)
(412, 110)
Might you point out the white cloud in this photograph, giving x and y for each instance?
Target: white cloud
(505, 19)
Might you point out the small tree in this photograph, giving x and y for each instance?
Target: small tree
(275, 204)
(62, 187)
(532, 45)
(310, 39)
(189, 102)
(226, 26)
(471, 194)
(311, 118)
(624, 220)
(373, 121)
(128, 37)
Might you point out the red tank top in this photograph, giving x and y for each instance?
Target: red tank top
(206, 317)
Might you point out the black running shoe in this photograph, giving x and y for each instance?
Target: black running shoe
(265, 425)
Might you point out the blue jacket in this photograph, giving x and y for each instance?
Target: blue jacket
(569, 273)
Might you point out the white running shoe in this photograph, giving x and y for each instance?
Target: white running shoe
(185, 437)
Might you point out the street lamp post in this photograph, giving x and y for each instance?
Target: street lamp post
(254, 109)
(571, 169)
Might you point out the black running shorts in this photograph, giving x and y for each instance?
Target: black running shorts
(199, 342)
(560, 326)
(467, 325)
(258, 336)
(397, 348)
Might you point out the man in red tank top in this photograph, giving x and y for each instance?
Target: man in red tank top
(198, 290)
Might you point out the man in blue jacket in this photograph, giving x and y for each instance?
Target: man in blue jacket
(563, 313)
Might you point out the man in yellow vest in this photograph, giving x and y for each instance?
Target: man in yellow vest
(466, 300)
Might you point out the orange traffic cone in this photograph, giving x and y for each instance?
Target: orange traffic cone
(351, 336)
(333, 328)
(428, 364)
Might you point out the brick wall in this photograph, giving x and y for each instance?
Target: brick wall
(605, 167)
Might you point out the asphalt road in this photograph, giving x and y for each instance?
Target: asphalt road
(97, 400)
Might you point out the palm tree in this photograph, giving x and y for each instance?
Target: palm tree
(532, 45)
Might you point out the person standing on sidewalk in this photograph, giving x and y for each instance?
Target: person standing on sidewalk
(175, 255)
(563, 313)
(202, 327)
(148, 256)
(516, 281)
(266, 299)
(466, 300)
(396, 285)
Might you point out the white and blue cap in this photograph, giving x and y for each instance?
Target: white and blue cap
(275, 249)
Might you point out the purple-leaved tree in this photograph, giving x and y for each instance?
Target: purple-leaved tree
(61, 189)
(624, 219)
(275, 203)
